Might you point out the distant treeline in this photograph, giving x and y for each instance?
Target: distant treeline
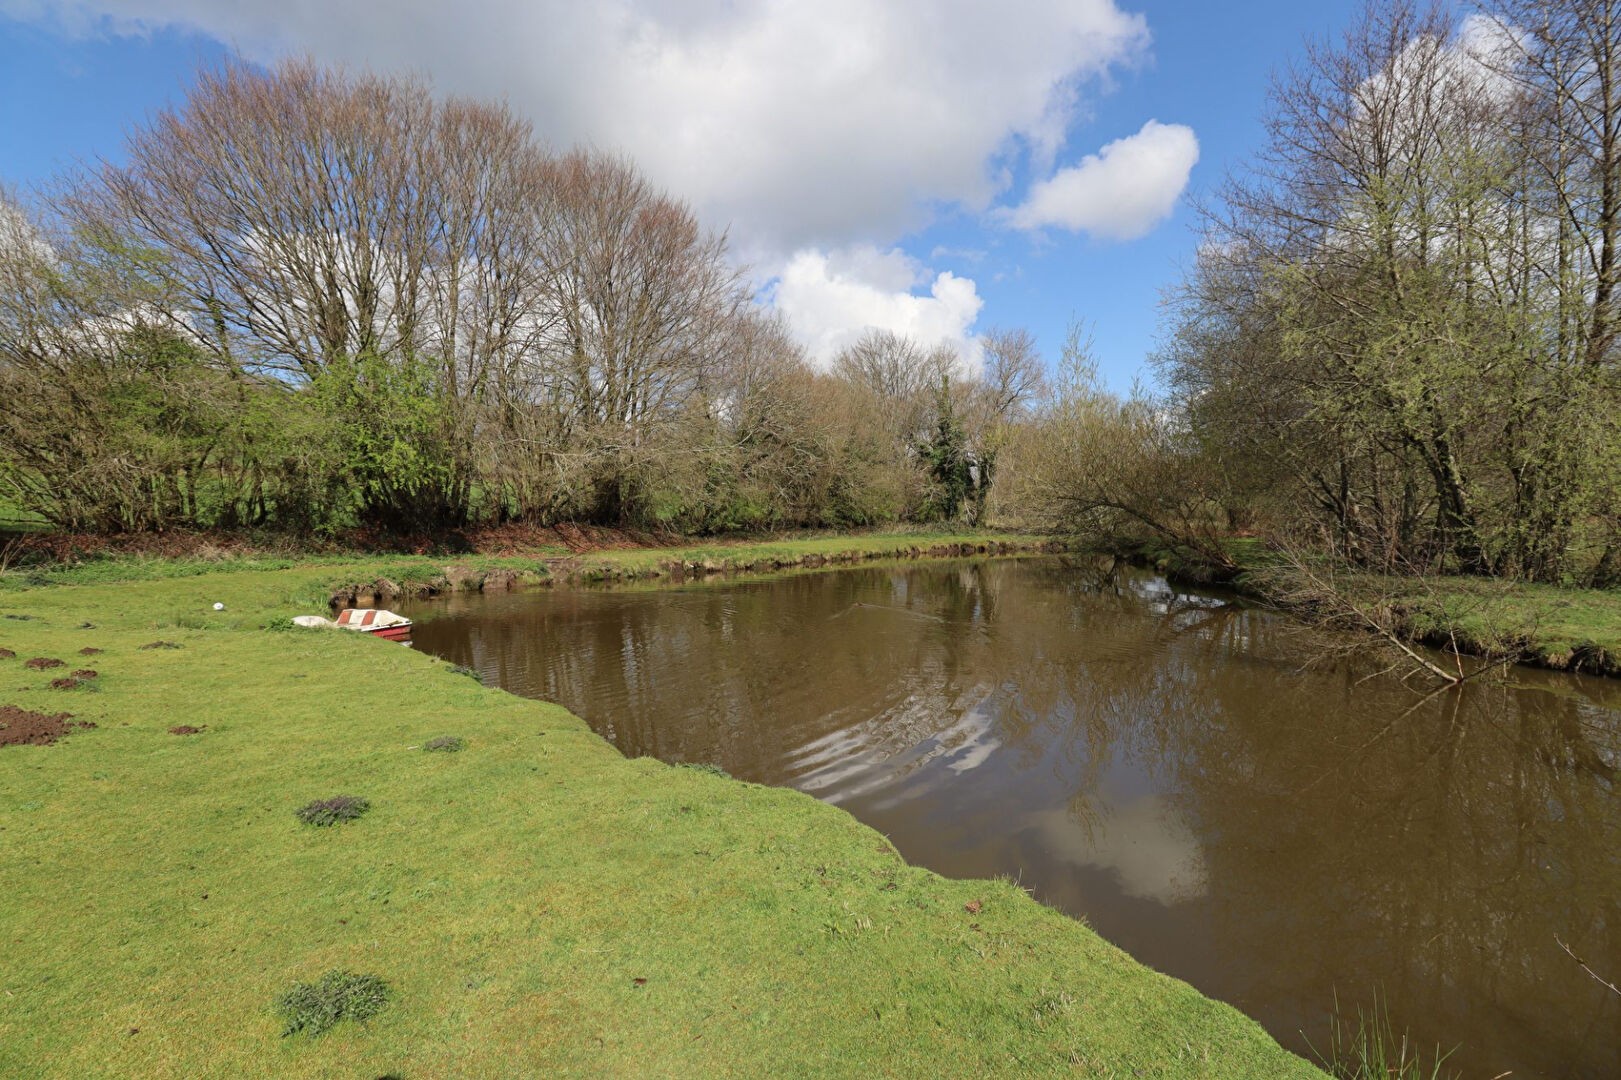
(310, 301)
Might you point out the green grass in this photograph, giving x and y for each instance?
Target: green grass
(1561, 628)
(1372, 1049)
(536, 904)
(333, 569)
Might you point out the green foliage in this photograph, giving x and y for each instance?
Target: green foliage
(314, 1008)
(946, 459)
(324, 812)
(391, 424)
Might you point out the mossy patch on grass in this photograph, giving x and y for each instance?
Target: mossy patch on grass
(314, 1008)
(333, 811)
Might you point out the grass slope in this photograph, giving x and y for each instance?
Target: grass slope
(157, 893)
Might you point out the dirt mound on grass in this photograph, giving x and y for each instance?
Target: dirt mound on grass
(89, 650)
(6, 654)
(19, 727)
(40, 663)
(187, 729)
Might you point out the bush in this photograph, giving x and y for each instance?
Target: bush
(446, 744)
(323, 812)
(337, 995)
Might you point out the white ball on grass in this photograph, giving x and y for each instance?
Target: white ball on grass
(219, 607)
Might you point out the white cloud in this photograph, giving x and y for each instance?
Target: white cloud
(794, 123)
(1120, 193)
(831, 298)
(1145, 842)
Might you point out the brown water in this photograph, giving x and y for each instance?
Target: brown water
(1159, 764)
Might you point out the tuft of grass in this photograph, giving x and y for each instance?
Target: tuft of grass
(463, 669)
(323, 812)
(705, 767)
(446, 744)
(1372, 1049)
(316, 1007)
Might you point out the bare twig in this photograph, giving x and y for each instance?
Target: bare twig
(1596, 976)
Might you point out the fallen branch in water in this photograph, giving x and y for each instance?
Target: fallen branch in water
(1305, 587)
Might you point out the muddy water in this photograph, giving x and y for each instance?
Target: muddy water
(1164, 766)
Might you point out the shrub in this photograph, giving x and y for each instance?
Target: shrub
(281, 623)
(337, 995)
(446, 744)
(323, 812)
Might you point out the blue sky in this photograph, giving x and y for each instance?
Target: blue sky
(856, 157)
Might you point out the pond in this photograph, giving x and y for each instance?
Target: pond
(1210, 787)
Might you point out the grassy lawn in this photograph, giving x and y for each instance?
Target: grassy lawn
(538, 904)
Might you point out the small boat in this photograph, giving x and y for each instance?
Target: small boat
(376, 622)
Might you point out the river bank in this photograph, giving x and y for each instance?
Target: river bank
(536, 902)
(1558, 628)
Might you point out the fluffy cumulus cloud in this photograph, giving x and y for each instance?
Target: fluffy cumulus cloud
(1120, 193)
(804, 129)
(830, 299)
(793, 123)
